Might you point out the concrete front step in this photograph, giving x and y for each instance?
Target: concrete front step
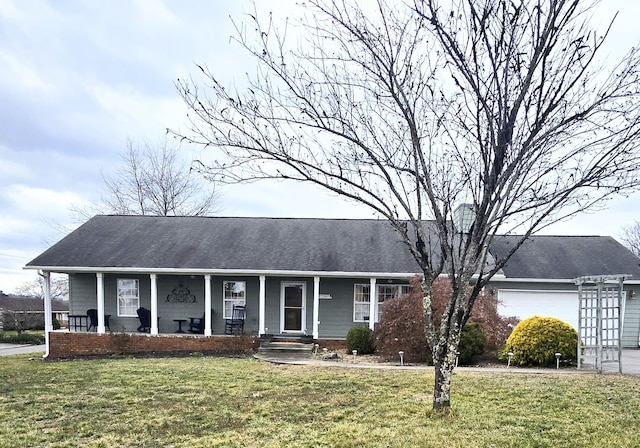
(277, 345)
(283, 351)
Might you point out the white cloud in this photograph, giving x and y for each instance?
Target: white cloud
(30, 201)
(17, 72)
(80, 77)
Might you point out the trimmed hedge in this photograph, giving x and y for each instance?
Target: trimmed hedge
(472, 344)
(24, 338)
(361, 339)
(536, 340)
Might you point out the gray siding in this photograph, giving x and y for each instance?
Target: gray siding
(335, 314)
(82, 293)
(631, 329)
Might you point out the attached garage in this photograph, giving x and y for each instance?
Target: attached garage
(539, 278)
(524, 303)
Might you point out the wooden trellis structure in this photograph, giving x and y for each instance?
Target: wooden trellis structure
(600, 319)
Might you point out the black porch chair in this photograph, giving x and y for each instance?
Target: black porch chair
(196, 324)
(235, 325)
(145, 320)
(92, 315)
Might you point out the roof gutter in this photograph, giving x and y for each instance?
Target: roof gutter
(549, 280)
(232, 272)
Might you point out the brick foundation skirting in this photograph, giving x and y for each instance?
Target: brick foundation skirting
(63, 344)
(332, 344)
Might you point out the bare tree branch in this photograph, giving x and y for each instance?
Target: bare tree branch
(416, 109)
(154, 181)
(631, 237)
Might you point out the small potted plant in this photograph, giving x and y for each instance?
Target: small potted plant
(306, 338)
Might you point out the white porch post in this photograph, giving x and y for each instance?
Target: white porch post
(100, 299)
(316, 306)
(207, 305)
(154, 303)
(48, 321)
(262, 306)
(373, 297)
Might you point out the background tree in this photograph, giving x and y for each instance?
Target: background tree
(23, 311)
(59, 285)
(415, 109)
(153, 180)
(631, 237)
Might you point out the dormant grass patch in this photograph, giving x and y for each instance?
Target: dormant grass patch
(208, 401)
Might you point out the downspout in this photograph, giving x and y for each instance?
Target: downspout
(48, 322)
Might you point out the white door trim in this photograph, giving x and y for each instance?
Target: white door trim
(303, 320)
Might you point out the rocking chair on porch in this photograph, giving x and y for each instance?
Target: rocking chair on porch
(145, 320)
(235, 325)
(92, 315)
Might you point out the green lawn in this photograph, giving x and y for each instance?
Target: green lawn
(204, 402)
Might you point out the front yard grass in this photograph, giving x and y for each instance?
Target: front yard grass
(208, 401)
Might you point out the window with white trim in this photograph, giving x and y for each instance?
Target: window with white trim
(362, 300)
(128, 297)
(234, 293)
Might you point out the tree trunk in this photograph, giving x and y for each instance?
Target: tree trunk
(442, 384)
(446, 349)
(443, 351)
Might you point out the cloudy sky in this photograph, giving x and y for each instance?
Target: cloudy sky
(78, 78)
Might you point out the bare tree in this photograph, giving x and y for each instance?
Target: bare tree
(631, 237)
(416, 109)
(59, 287)
(154, 181)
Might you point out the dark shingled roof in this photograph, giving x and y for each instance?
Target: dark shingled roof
(306, 245)
(14, 302)
(266, 244)
(566, 257)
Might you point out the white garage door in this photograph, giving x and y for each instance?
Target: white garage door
(527, 303)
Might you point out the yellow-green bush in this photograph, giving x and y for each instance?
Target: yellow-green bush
(536, 340)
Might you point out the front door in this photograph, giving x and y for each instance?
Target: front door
(293, 307)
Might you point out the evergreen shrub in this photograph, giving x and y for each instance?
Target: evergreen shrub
(360, 338)
(472, 344)
(536, 340)
(23, 338)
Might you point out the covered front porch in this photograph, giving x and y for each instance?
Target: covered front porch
(176, 301)
(281, 303)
